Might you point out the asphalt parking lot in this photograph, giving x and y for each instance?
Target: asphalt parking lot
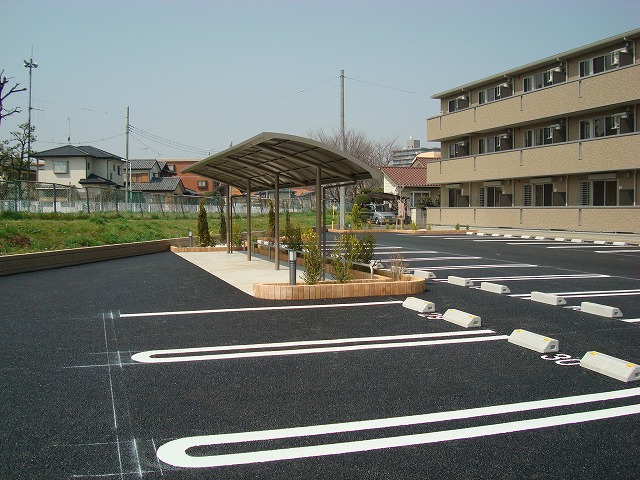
(152, 368)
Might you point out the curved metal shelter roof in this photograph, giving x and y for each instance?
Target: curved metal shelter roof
(294, 159)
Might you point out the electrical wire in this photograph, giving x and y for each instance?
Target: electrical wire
(87, 142)
(147, 146)
(166, 142)
(386, 86)
(251, 107)
(80, 108)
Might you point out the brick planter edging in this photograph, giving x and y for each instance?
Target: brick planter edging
(376, 287)
(205, 249)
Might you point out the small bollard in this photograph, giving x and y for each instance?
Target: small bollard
(292, 266)
(190, 239)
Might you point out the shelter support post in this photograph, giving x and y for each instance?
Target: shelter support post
(249, 219)
(228, 215)
(276, 233)
(319, 204)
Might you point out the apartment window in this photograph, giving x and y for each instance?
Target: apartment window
(544, 135)
(599, 193)
(88, 165)
(458, 103)
(119, 170)
(495, 93)
(489, 196)
(603, 63)
(60, 166)
(606, 126)
(459, 149)
(202, 184)
(454, 197)
(544, 79)
(494, 144)
(604, 192)
(543, 195)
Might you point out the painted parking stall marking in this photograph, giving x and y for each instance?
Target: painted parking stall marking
(311, 346)
(531, 277)
(260, 309)
(175, 453)
(584, 294)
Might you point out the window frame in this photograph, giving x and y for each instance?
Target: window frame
(61, 167)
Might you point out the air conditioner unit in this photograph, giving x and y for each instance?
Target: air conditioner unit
(615, 123)
(557, 126)
(461, 144)
(615, 58)
(462, 97)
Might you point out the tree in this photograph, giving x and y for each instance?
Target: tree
(374, 153)
(15, 154)
(3, 95)
(204, 237)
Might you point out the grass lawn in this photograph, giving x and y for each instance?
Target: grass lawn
(26, 232)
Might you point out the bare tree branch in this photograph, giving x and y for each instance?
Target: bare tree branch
(14, 89)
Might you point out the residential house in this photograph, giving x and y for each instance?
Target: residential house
(80, 167)
(553, 144)
(409, 183)
(196, 183)
(165, 185)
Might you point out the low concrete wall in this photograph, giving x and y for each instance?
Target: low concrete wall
(30, 262)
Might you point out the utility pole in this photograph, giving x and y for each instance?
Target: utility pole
(127, 163)
(343, 145)
(30, 65)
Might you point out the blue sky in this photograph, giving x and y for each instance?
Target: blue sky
(208, 73)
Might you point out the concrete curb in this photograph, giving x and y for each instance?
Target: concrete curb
(31, 262)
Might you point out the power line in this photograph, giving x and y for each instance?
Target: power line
(85, 142)
(251, 107)
(147, 146)
(168, 143)
(80, 108)
(390, 88)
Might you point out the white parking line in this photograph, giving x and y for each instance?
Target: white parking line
(464, 267)
(175, 452)
(592, 293)
(530, 277)
(630, 320)
(598, 246)
(405, 252)
(635, 250)
(435, 259)
(260, 309)
(152, 356)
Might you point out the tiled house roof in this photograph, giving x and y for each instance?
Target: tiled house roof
(72, 151)
(161, 184)
(407, 176)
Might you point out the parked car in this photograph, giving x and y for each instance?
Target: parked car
(381, 214)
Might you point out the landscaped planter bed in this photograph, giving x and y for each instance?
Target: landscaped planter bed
(364, 287)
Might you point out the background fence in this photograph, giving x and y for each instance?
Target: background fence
(39, 197)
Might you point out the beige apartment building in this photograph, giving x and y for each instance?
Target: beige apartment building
(553, 144)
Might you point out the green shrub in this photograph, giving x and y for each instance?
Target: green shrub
(312, 258)
(414, 226)
(271, 225)
(204, 238)
(356, 221)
